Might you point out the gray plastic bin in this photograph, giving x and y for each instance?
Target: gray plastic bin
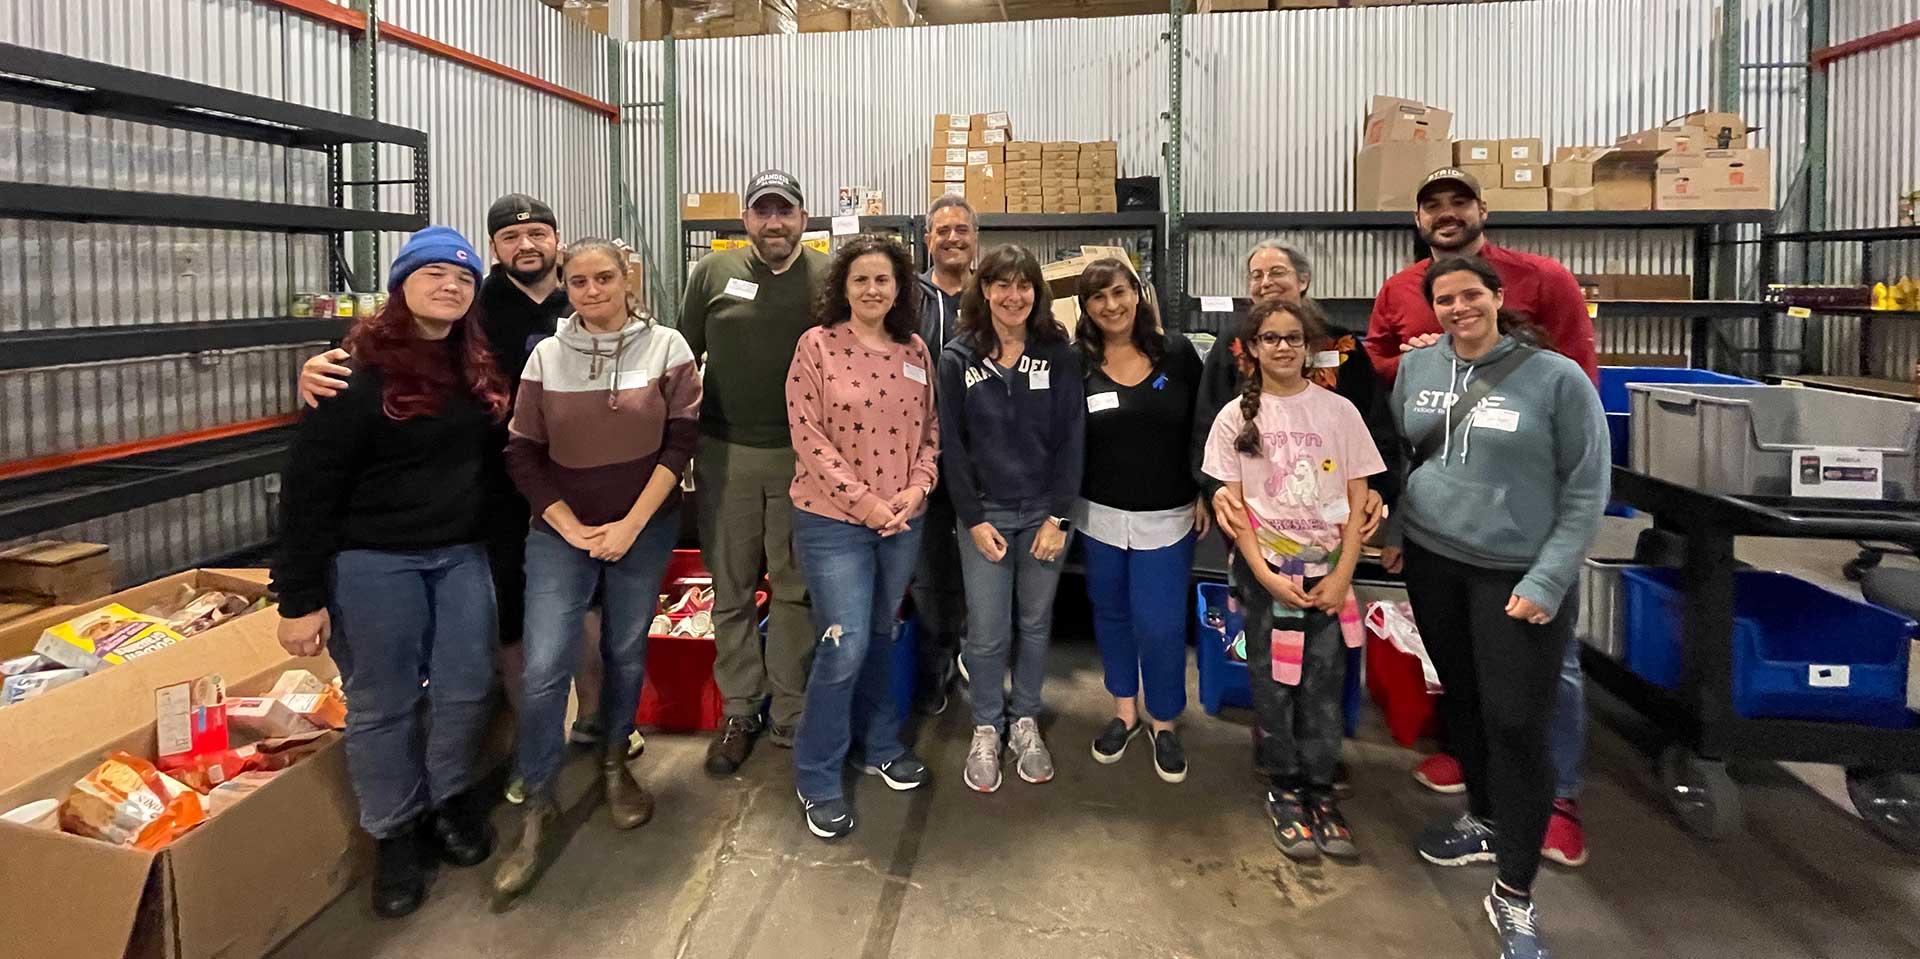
(1602, 624)
(1741, 439)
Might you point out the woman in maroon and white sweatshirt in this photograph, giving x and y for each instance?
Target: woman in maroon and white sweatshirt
(603, 428)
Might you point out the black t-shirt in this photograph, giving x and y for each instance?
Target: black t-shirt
(359, 479)
(1137, 435)
(515, 323)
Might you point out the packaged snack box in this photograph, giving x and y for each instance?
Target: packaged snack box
(108, 636)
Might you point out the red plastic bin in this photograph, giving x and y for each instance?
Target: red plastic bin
(1396, 682)
(679, 694)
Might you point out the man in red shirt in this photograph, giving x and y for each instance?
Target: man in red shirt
(1451, 219)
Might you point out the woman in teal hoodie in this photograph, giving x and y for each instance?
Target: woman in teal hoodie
(1500, 505)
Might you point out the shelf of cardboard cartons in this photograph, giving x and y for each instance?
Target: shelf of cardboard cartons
(903, 225)
(1548, 220)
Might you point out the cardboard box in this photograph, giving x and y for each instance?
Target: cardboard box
(1489, 174)
(122, 697)
(1385, 175)
(1646, 286)
(1063, 276)
(1723, 131)
(1228, 6)
(1025, 150)
(1522, 150)
(710, 206)
(987, 156)
(56, 572)
(1061, 146)
(1572, 199)
(648, 19)
(944, 123)
(111, 635)
(1623, 179)
(1714, 180)
(953, 138)
(938, 189)
(1572, 167)
(987, 138)
(1671, 138)
(991, 121)
(950, 156)
(947, 174)
(826, 21)
(1523, 176)
(1476, 152)
(1393, 120)
(1514, 201)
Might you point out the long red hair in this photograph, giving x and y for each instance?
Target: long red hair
(418, 373)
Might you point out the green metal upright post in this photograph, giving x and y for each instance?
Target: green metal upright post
(616, 165)
(364, 163)
(1819, 32)
(1174, 270)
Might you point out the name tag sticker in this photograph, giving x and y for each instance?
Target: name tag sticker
(741, 289)
(1040, 380)
(631, 380)
(914, 373)
(1326, 359)
(1506, 421)
(1102, 401)
(1216, 304)
(1336, 512)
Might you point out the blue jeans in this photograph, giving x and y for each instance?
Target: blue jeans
(408, 626)
(856, 580)
(560, 585)
(1012, 596)
(1567, 737)
(1139, 599)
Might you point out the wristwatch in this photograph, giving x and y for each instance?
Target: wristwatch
(1061, 523)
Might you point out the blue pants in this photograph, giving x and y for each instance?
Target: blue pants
(856, 580)
(406, 627)
(1013, 596)
(1139, 600)
(1567, 737)
(560, 586)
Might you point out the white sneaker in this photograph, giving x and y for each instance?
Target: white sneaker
(983, 760)
(1032, 760)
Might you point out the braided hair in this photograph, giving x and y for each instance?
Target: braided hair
(1315, 330)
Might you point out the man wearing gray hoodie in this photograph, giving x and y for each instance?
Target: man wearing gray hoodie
(1502, 499)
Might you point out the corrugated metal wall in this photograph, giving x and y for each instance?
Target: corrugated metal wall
(1874, 157)
(491, 136)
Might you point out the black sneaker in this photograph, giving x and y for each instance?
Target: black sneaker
(1169, 757)
(585, 732)
(933, 702)
(460, 833)
(829, 819)
(1342, 780)
(730, 748)
(1292, 825)
(901, 774)
(399, 876)
(1330, 831)
(781, 736)
(1466, 840)
(1112, 742)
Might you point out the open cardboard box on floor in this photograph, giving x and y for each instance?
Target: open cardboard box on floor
(82, 714)
(233, 887)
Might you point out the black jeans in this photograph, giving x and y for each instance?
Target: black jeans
(1299, 727)
(1502, 679)
(939, 595)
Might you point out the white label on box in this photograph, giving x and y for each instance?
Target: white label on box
(1519, 153)
(977, 157)
(994, 137)
(693, 199)
(742, 289)
(173, 710)
(1523, 176)
(952, 173)
(957, 157)
(1832, 472)
(956, 138)
(1326, 359)
(846, 225)
(1829, 677)
(914, 373)
(1216, 304)
(1479, 154)
(1102, 401)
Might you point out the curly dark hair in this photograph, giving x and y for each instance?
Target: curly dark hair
(1147, 338)
(976, 317)
(1517, 325)
(1315, 330)
(831, 308)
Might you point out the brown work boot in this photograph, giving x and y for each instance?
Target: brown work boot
(730, 748)
(629, 802)
(522, 863)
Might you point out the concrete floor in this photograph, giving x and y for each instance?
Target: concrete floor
(1109, 861)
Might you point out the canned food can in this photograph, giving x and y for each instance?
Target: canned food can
(322, 304)
(301, 305)
(343, 304)
(363, 304)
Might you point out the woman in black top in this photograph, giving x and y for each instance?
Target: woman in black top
(1139, 507)
(383, 563)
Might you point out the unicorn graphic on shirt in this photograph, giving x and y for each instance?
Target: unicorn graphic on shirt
(1299, 489)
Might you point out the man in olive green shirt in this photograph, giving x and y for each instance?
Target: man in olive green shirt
(745, 311)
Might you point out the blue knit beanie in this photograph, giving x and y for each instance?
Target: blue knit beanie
(435, 244)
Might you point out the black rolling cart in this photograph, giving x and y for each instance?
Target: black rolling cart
(1700, 717)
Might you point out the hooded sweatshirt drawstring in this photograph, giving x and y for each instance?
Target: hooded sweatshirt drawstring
(572, 330)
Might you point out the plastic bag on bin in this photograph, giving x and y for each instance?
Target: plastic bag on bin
(1393, 622)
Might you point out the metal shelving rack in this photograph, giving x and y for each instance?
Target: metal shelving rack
(61, 496)
(1866, 238)
(1702, 311)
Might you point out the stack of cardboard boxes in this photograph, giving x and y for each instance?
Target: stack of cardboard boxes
(1026, 160)
(969, 158)
(1512, 172)
(1698, 162)
(1099, 168)
(1401, 142)
(1060, 177)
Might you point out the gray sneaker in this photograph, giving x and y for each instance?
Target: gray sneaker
(1032, 760)
(983, 760)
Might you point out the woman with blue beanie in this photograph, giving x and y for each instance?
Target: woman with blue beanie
(382, 562)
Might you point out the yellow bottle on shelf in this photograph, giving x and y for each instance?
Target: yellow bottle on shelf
(1906, 294)
(1882, 297)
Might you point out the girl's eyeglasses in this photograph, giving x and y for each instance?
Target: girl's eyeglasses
(1271, 340)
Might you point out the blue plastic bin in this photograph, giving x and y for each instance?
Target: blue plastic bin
(1799, 651)
(906, 665)
(1223, 679)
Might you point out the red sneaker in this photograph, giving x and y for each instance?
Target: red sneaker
(1566, 842)
(1442, 774)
